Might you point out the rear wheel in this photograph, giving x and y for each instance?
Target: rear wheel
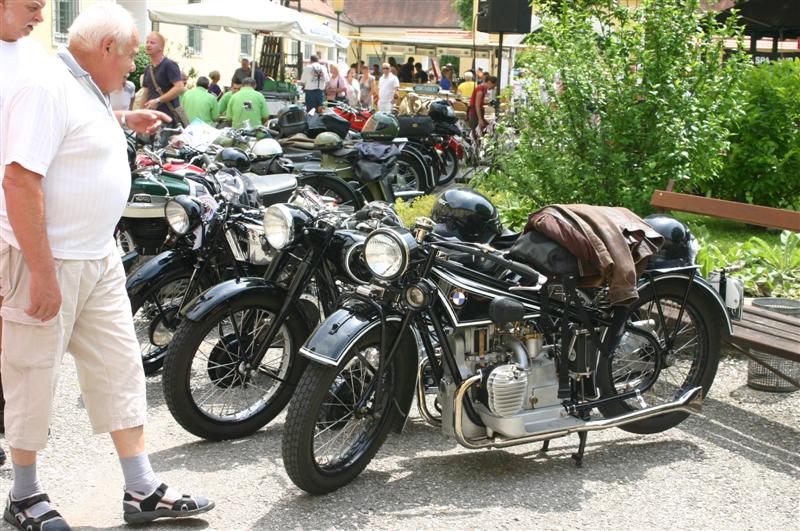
(340, 191)
(665, 372)
(410, 174)
(336, 423)
(209, 385)
(451, 166)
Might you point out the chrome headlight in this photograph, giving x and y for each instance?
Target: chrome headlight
(387, 253)
(183, 214)
(283, 223)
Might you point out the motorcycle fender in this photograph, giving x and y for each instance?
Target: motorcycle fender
(164, 265)
(702, 287)
(230, 290)
(332, 339)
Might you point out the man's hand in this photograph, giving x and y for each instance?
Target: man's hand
(146, 122)
(152, 104)
(45, 296)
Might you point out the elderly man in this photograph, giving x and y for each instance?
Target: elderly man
(248, 70)
(163, 83)
(387, 89)
(60, 274)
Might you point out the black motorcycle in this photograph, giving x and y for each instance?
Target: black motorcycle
(516, 357)
(232, 365)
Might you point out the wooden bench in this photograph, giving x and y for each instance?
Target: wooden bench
(759, 329)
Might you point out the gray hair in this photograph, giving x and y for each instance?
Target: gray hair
(101, 20)
(468, 76)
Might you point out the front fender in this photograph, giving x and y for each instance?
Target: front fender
(168, 264)
(334, 337)
(252, 287)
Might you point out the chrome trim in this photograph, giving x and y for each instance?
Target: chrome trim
(333, 363)
(690, 402)
(143, 210)
(422, 405)
(347, 255)
(393, 234)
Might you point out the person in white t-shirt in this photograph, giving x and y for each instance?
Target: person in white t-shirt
(61, 274)
(314, 79)
(122, 99)
(17, 55)
(387, 89)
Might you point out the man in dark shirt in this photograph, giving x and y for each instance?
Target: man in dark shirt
(420, 76)
(406, 73)
(164, 73)
(246, 71)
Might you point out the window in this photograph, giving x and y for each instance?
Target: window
(331, 54)
(194, 39)
(64, 12)
(247, 44)
(308, 50)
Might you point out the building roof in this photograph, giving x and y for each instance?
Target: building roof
(399, 13)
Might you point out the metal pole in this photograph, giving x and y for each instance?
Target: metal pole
(474, 52)
(338, 14)
(500, 64)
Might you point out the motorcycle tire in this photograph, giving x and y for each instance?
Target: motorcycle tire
(168, 292)
(311, 405)
(698, 327)
(178, 374)
(411, 172)
(451, 165)
(340, 190)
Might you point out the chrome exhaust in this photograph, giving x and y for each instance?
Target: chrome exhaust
(422, 404)
(691, 402)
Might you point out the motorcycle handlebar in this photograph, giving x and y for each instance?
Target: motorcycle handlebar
(492, 254)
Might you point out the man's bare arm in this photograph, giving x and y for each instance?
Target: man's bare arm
(25, 206)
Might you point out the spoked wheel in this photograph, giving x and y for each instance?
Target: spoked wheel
(336, 422)
(410, 175)
(451, 165)
(340, 191)
(155, 314)
(665, 368)
(210, 385)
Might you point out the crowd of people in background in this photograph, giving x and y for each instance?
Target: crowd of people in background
(362, 86)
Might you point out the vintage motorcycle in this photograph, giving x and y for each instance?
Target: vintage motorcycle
(233, 365)
(517, 357)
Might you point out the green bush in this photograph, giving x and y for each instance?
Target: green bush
(763, 165)
(617, 102)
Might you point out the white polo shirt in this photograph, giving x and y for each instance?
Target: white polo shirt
(387, 86)
(61, 126)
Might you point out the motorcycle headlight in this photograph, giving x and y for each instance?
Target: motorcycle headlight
(283, 223)
(387, 253)
(183, 214)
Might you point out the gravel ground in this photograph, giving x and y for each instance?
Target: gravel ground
(736, 468)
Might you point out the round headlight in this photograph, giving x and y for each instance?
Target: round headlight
(182, 214)
(279, 226)
(386, 254)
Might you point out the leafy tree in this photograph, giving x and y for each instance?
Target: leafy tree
(464, 10)
(617, 101)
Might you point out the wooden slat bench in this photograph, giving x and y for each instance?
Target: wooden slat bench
(759, 329)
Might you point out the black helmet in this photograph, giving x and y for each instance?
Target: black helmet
(231, 157)
(381, 126)
(679, 248)
(442, 112)
(467, 215)
(131, 154)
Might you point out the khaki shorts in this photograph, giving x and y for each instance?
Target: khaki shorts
(94, 325)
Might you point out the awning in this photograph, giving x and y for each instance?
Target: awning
(241, 16)
(767, 18)
(513, 41)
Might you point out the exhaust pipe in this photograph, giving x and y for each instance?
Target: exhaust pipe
(690, 402)
(422, 404)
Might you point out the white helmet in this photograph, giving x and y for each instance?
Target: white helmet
(267, 147)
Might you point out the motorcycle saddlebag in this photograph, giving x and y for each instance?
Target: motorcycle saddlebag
(368, 171)
(416, 126)
(544, 255)
(292, 120)
(328, 122)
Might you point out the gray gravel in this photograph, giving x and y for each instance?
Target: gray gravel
(737, 468)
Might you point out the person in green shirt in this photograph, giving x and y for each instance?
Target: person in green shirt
(247, 105)
(223, 101)
(200, 103)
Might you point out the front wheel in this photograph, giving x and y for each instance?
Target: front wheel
(410, 175)
(211, 387)
(665, 371)
(451, 166)
(336, 422)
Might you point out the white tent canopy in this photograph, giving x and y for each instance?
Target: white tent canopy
(240, 16)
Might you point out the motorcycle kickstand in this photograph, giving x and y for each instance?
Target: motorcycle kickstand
(578, 456)
(545, 446)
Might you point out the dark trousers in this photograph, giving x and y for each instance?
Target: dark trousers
(314, 99)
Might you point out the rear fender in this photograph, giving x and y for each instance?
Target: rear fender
(702, 288)
(168, 264)
(334, 337)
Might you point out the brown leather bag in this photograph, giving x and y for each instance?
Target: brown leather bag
(178, 113)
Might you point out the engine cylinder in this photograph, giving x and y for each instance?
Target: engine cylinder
(506, 388)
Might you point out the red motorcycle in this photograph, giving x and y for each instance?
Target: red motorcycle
(356, 117)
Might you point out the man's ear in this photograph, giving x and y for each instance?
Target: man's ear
(108, 46)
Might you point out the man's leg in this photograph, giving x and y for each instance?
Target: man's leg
(111, 377)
